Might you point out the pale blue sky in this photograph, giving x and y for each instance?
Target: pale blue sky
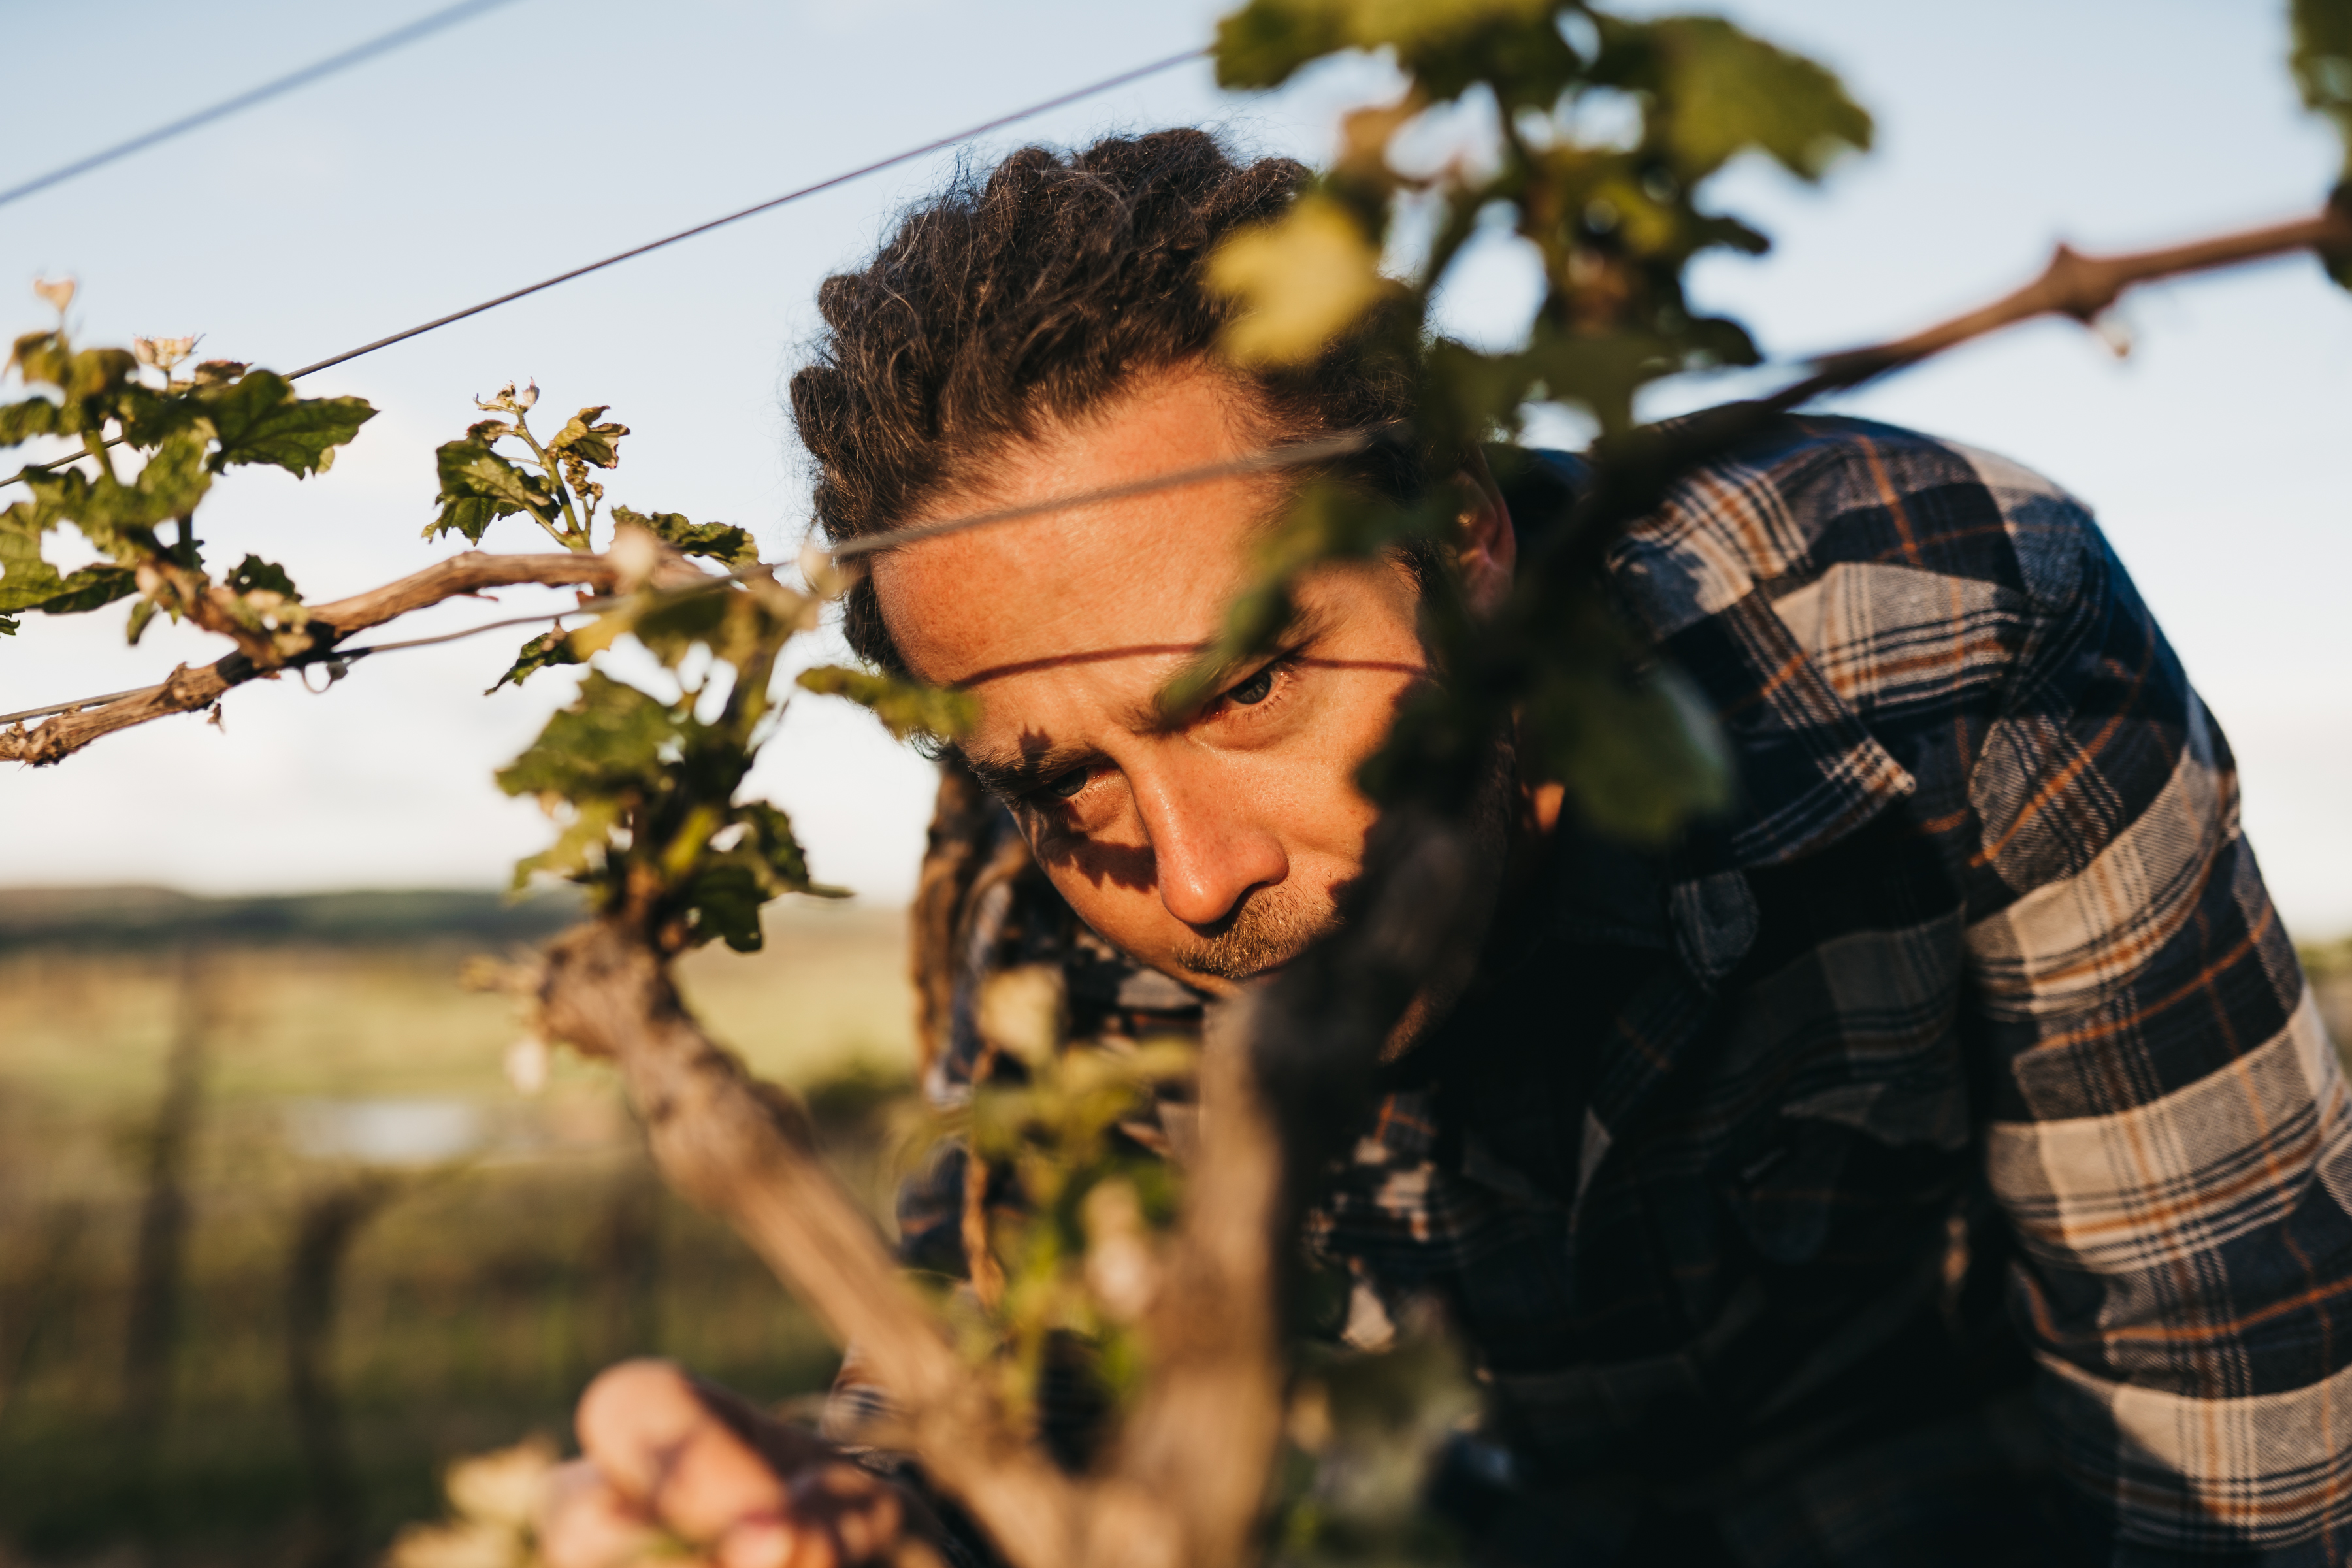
(548, 133)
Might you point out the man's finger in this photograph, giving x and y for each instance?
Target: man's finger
(585, 1523)
(658, 1443)
(787, 1448)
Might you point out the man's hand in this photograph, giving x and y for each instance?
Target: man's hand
(665, 1458)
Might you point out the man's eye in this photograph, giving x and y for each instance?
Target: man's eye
(1064, 786)
(1254, 690)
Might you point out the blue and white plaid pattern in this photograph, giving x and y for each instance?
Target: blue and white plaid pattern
(1967, 1054)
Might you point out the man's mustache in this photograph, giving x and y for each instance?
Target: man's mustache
(1273, 926)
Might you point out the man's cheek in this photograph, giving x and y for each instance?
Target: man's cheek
(1130, 918)
(1085, 868)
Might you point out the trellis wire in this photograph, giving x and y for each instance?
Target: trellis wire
(1296, 454)
(355, 55)
(910, 154)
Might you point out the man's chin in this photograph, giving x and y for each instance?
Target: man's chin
(1224, 981)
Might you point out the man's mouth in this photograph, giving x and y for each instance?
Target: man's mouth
(1267, 932)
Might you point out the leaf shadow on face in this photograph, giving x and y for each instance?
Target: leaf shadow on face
(1066, 660)
(1132, 866)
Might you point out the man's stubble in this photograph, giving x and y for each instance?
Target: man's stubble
(1274, 924)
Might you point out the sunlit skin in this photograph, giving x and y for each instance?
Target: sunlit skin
(1210, 848)
(663, 1455)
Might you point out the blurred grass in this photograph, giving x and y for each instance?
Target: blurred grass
(2329, 967)
(476, 1297)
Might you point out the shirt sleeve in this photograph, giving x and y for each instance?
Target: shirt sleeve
(2170, 1137)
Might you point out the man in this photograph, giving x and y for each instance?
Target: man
(1937, 1161)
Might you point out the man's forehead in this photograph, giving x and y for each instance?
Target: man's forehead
(1082, 584)
(1151, 568)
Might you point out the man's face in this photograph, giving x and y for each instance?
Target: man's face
(1211, 849)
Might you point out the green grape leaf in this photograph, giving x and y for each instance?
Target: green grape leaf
(93, 382)
(771, 837)
(1264, 43)
(20, 421)
(579, 851)
(58, 496)
(175, 480)
(2322, 61)
(669, 624)
(1515, 50)
(41, 357)
(92, 589)
(118, 518)
(29, 582)
(1719, 91)
(905, 708)
(612, 738)
(1298, 281)
(149, 417)
(723, 901)
(764, 861)
(590, 442)
(2339, 263)
(1601, 371)
(545, 652)
(479, 487)
(720, 541)
(253, 575)
(259, 419)
(1642, 757)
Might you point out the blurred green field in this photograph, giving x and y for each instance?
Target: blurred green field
(278, 1239)
(246, 1319)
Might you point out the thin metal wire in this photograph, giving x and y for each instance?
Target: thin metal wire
(590, 606)
(331, 656)
(1296, 455)
(1273, 457)
(357, 54)
(77, 707)
(826, 184)
(1032, 111)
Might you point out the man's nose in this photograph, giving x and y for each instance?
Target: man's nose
(1208, 847)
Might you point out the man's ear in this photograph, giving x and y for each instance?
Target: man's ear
(1486, 546)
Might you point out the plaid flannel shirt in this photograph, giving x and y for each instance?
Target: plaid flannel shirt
(1951, 1115)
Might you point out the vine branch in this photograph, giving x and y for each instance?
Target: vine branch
(1187, 1479)
(187, 690)
(2083, 287)
(742, 1150)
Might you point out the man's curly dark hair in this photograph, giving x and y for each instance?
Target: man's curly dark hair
(1034, 292)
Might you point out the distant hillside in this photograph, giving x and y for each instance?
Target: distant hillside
(151, 917)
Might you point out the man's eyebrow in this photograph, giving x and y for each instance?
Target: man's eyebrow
(1008, 779)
